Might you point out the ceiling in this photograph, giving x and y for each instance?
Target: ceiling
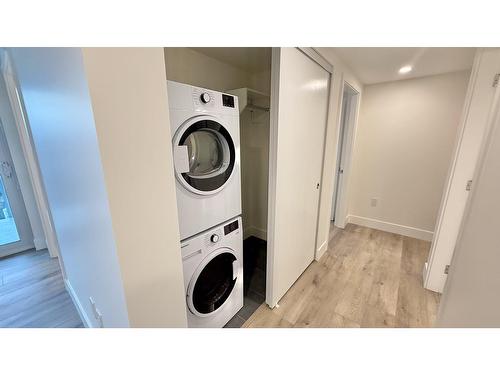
(250, 59)
(381, 64)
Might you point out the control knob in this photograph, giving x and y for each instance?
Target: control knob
(214, 238)
(205, 97)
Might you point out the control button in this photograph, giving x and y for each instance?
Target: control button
(205, 97)
(214, 238)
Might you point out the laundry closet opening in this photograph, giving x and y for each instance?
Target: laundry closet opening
(244, 73)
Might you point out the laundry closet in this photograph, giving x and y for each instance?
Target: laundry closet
(244, 73)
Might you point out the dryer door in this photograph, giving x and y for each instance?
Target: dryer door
(213, 282)
(205, 155)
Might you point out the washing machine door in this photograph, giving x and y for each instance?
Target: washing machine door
(213, 282)
(204, 155)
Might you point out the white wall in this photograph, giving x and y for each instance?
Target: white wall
(406, 133)
(341, 73)
(194, 68)
(261, 81)
(254, 135)
(470, 297)
(58, 109)
(20, 167)
(132, 122)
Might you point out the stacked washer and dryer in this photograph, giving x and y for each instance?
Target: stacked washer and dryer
(206, 150)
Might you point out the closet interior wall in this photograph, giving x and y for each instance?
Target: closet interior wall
(190, 66)
(254, 132)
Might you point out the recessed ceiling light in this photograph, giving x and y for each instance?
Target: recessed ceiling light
(405, 69)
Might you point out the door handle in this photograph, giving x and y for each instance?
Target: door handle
(6, 169)
(181, 159)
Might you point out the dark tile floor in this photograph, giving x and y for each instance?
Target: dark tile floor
(254, 280)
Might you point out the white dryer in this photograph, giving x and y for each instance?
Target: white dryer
(206, 147)
(213, 275)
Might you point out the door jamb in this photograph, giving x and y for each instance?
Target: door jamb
(341, 211)
(16, 246)
(273, 148)
(433, 265)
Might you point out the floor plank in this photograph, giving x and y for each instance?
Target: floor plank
(32, 293)
(367, 278)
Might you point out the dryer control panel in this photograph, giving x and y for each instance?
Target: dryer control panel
(200, 99)
(204, 99)
(228, 100)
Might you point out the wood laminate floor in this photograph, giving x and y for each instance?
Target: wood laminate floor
(32, 293)
(367, 278)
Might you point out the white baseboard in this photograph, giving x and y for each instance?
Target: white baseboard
(321, 251)
(4, 253)
(76, 301)
(420, 234)
(40, 243)
(256, 232)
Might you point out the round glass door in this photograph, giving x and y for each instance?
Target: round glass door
(211, 155)
(214, 284)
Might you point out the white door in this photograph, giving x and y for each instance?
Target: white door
(478, 106)
(299, 113)
(470, 297)
(15, 229)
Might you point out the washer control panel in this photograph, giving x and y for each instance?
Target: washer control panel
(213, 237)
(231, 227)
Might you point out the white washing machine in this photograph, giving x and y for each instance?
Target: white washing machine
(206, 147)
(213, 275)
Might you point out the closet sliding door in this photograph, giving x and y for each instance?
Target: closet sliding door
(299, 109)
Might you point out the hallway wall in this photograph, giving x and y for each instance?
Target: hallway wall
(132, 124)
(405, 138)
(58, 110)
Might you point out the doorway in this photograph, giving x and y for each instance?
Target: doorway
(15, 230)
(245, 73)
(344, 150)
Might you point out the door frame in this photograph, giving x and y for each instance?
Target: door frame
(271, 298)
(492, 126)
(341, 209)
(16, 104)
(17, 206)
(445, 240)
